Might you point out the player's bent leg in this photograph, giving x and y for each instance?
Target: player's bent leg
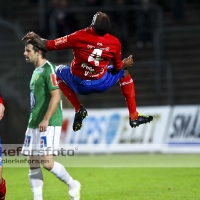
(60, 172)
(81, 112)
(69, 94)
(128, 90)
(2, 187)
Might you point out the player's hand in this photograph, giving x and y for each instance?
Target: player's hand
(41, 42)
(43, 125)
(2, 109)
(30, 35)
(128, 62)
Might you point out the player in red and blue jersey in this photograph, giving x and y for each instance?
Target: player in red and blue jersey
(93, 48)
(2, 180)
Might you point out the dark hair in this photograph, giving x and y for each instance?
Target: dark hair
(37, 48)
(102, 25)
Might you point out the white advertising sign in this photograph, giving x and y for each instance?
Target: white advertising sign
(183, 135)
(108, 131)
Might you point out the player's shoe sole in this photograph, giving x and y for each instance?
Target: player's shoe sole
(142, 119)
(79, 117)
(74, 193)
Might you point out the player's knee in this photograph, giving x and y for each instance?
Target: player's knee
(126, 73)
(34, 162)
(47, 165)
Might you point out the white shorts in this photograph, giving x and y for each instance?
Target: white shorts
(42, 143)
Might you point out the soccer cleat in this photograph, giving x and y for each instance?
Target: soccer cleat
(142, 119)
(78, 118)
(74, 192)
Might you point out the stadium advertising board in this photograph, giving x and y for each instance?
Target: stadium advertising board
(183, 134)
(108, 131)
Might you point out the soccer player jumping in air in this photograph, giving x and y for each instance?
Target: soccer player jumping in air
(90, 72)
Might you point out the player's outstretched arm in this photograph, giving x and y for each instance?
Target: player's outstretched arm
(41, 42)
(128, 62)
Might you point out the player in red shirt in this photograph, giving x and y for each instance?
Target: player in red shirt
(93, 48)
(2, 180)
(2, 108)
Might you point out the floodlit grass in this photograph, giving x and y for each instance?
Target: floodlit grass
(116, 177)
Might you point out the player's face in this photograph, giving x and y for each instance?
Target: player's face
(30, 55)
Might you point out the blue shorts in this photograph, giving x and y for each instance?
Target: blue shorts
(1, 159)
(84, 87)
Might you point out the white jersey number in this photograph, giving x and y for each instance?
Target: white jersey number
(95, 56)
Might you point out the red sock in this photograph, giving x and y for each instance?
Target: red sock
(3, 189)
(128, 90)
(69, 94)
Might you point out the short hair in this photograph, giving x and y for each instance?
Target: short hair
(101, 24)
(37, 48)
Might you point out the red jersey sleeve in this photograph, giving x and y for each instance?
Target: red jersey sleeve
(1, 100)
(68, 41)
(117, 60)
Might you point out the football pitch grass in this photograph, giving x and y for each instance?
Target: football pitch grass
(115, 177)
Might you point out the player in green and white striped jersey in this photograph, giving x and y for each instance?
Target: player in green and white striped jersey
(44, 126)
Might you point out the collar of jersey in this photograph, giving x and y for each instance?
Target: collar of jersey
(40, 66)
